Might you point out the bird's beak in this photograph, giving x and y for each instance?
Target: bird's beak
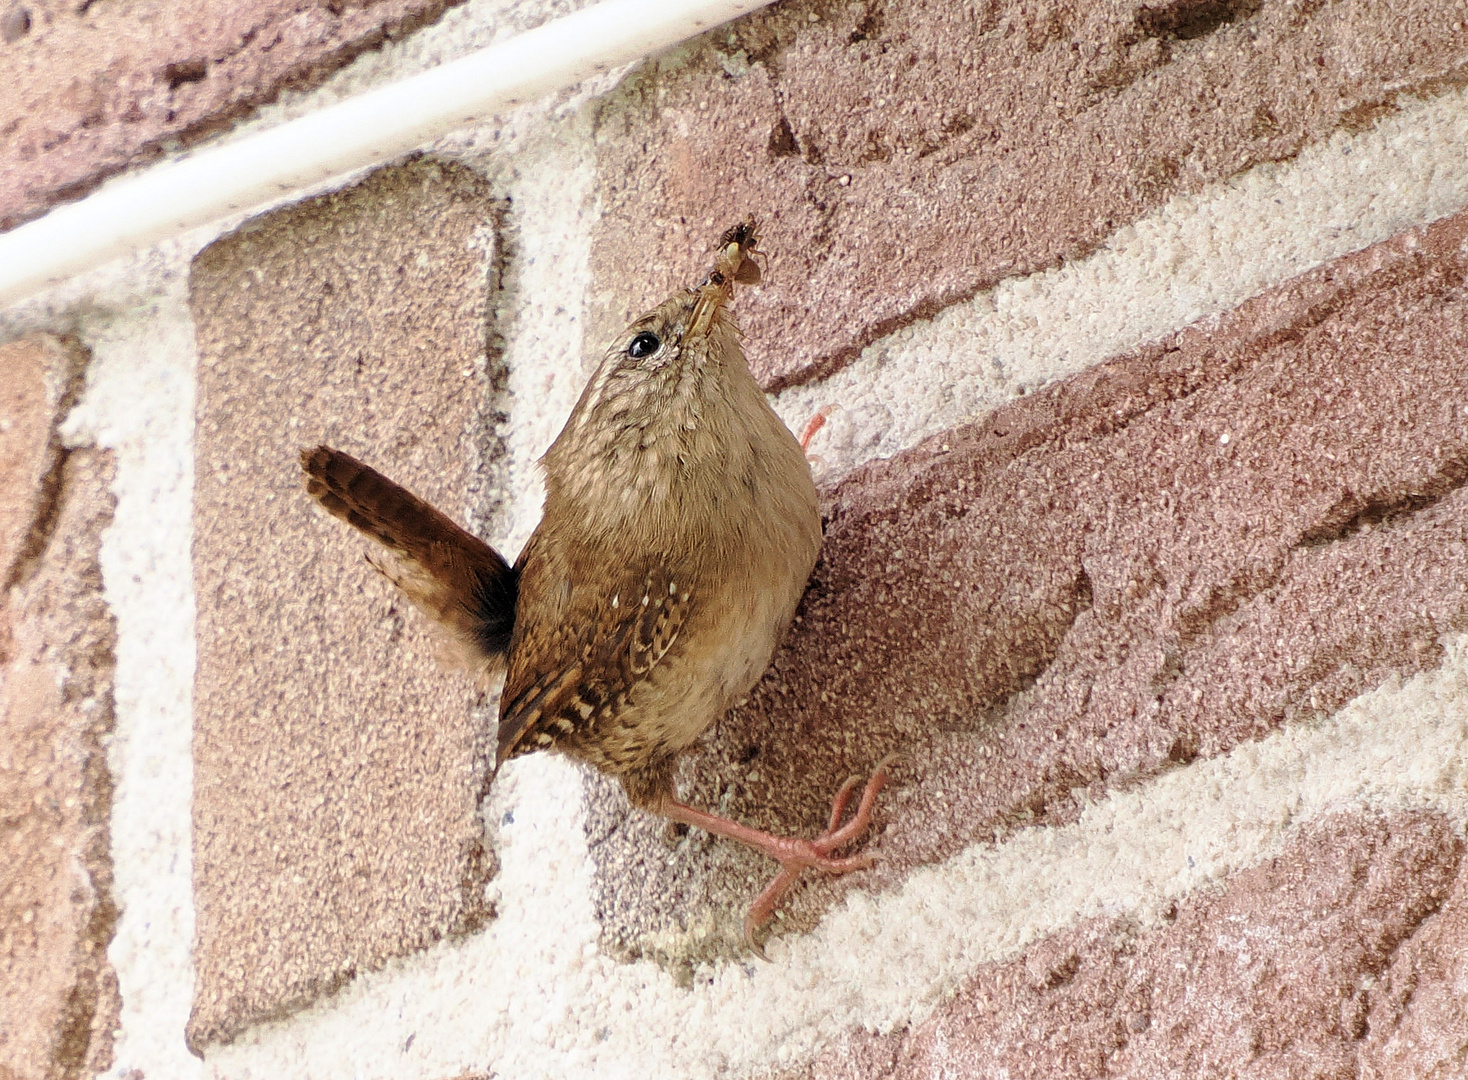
(735, 263)
(713, 294)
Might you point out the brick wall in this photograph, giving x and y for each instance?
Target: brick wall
(1139, 331)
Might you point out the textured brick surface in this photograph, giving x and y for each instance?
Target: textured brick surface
(338, 768)
(39, 373)
(1418, 1022)
(58, 995)
(1240, 527)
(1296, 970)
(910, 154)
(91, 88)
(1176, 552)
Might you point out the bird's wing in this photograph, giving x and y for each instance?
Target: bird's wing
(570, 670)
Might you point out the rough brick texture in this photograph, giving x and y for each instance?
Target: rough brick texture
(1418, 1019)
(92, 88)
(58, 995)
(1159, 560)
(1241, 526)
(911, 154)
(338, 768)
(1303, 967)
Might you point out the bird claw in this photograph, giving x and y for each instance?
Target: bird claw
(812, 428)
(797, 855)
(793, 855)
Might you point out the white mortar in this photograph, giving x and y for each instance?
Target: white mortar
(534, 1001)
(532, 997)
(139, 403)
(1196, 256)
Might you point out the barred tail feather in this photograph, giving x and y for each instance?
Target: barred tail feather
(456, 579)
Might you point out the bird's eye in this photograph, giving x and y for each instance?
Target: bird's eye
(644, 344)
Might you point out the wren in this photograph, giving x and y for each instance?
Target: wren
(680, 526)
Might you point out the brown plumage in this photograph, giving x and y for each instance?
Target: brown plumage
(679, 529)
(453, 576)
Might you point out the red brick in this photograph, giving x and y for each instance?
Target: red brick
(1276, 977)
(58, 993)
(1417, 1025)
(909, 155)
(93, 88)
(1092, 585)
(338, 767)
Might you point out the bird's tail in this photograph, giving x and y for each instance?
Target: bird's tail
(454, 577)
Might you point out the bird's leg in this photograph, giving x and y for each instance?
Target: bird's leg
(815, 424)
(813, 427)
(793, 855)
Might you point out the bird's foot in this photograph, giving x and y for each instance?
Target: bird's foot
(795, 855)
(814, 425)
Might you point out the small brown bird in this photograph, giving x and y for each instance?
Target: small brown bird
(679, 529)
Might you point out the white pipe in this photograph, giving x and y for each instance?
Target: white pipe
(377, 126)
